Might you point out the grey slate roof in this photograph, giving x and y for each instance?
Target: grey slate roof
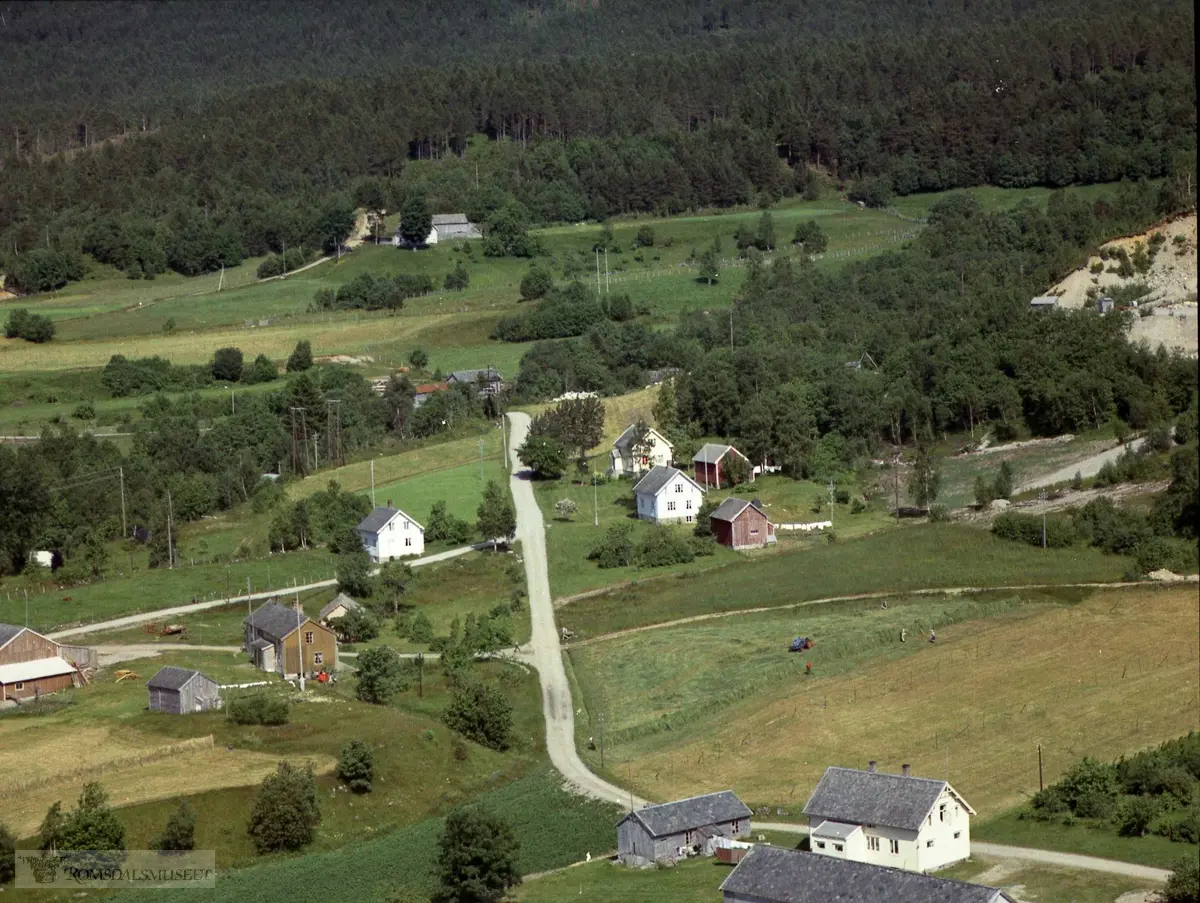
(171, 678)
(450, 219)
(873, 798)
(377, 519)
(8, 632)
(489, 374)
(656, 478)
(834, 829)
(339, 599)
(690, 814)
(777, 875)
(275, 621)
(729, 509)
(627, 439)
(260, 645)
(711, 453)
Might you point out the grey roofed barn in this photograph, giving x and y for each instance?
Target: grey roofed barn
(171, 678)
(874, 798)
(8, 633)
(487, 374)
(775, 875)
(275, 621)
(729, 509)
(450, 219)
(695, 812)
(711, 453)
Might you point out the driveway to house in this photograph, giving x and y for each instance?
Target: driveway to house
(546, 655)
(142, 617)
(1088, 467)
(1024, 854)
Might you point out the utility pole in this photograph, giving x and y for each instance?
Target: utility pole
(601, 739)
(597, 272)
(481, 480)
(124, 528)
(503, 441)
(170, 517)
(232, 402)
(607, 289)
(595, 502)
(831, 496)
(896, 479)
(299, 643)
(1041, 785)
(221, 282)
(1042, 496)
(420, 675)
(316, 454)
(372, 482)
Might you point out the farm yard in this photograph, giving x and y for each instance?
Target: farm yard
(1099, 673)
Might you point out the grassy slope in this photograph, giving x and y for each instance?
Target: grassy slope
(1104, 677)
(693, 881)
(919, 556)
(1078, 838)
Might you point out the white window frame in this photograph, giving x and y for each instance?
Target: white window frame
(19, 685)
(929, 843)
(895, 845)
(820, 844)
(309, 636)
(873, 844)
(671, 505)
(318, 658)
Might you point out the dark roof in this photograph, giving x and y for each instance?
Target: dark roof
(171, 678)
(260, 645)
(450, 219)
(777, 875)
(275, 621)
(378, 519)
(489, 374)
(656, 478)
(626, 440)
(8, 632)
(730, 509)
(873, 798)
(689, 814)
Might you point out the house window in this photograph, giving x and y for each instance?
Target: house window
(873, 844)
(957, 834)
(19, 685)
(895, 847)
(737, 826)
(820, 844)
(308, 638)
(408, 540)
(670, 506)
(942, 812)
(839, 847)
(318, 658)
(753, 532)
(928, 844)
(688, 504)
(679, 487)
(406, 525)
(689, 518)
(687, 837)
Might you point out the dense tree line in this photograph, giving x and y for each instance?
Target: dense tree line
(1077, 95)
(820, 368)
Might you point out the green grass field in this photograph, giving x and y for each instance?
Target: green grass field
(693, 881)
(917, 556)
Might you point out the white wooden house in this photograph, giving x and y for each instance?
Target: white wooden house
(637, 450)
(666, 495)
(897, 820)
(389, 533)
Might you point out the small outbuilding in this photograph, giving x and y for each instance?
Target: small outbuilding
(182, 691)
(32, 665)
(739, 524)
(488, 380)
(671, 831)
(712, 468)
(337, 608)
(1044, 302)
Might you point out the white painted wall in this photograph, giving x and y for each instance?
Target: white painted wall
(399, 538)
(676, 503)
(657, 454)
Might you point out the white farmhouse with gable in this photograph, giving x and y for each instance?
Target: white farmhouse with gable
(389, 533)
(895, 820)
(638, 449)
(666, 495)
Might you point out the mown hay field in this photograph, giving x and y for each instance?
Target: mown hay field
(1110, 675)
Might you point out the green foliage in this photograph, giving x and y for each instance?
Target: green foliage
(645, 236)
(709, 271)
(577, 423)
(1183, 885)
(51, 830)
(566, 311)
(418, 358)
(84, 411)
(703, 526)
(507, 233)
(1135, 814)
(480, 713)
(301, 358)
(356, 766)
(92, 826)
(456, 280)
(663, 546)
(536, 283)
(358, 625)
(419, 628)
(285, 813)
(262, 370)
(227, 365)
(30, 327)
(416, 222)
(1027, 528)
(810, 236)
(42, 270)
(477, 858)
(924, 479)
(442, 526)
(545, 455)
(258, 708)
(8, 860)
(353, 565)
(1005, 481)
(281, 264)
(179, 833)
(565, 509)
(497, 516)
(381, 675)
(367, 291)
(615, 549)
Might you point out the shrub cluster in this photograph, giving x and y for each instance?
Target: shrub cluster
(124, 376)
(30, 327)
(258, 708)
(369, 292)
(660, 547)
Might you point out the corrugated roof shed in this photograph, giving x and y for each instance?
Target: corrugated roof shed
(873, 798)
(689, 814)
(776, 875)
(171, 678)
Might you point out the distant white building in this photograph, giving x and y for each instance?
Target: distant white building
(1044, 302)
(389, 533)
(666, 495)
(897, 820)
(445, 226)
(636, 452)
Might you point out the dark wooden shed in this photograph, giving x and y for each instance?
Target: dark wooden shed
(182, 691)
(739, 524)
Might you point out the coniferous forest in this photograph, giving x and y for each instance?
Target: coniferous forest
(228, 130)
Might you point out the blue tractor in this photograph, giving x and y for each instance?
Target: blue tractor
(800, 643)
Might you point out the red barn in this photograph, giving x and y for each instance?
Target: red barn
(31, 665)
(708, 464)
(739, 524)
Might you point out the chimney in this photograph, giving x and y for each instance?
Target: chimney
(906, 770)
(389, 503)
(871, 766)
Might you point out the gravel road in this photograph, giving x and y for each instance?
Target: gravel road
(1088, 467)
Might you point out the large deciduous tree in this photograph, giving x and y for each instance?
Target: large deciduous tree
(477, 858)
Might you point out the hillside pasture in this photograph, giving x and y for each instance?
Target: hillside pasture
(1105, 677)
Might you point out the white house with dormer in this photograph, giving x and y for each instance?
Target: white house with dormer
(666, 495)
(896, 820)
(638, 449)
(389, 533)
